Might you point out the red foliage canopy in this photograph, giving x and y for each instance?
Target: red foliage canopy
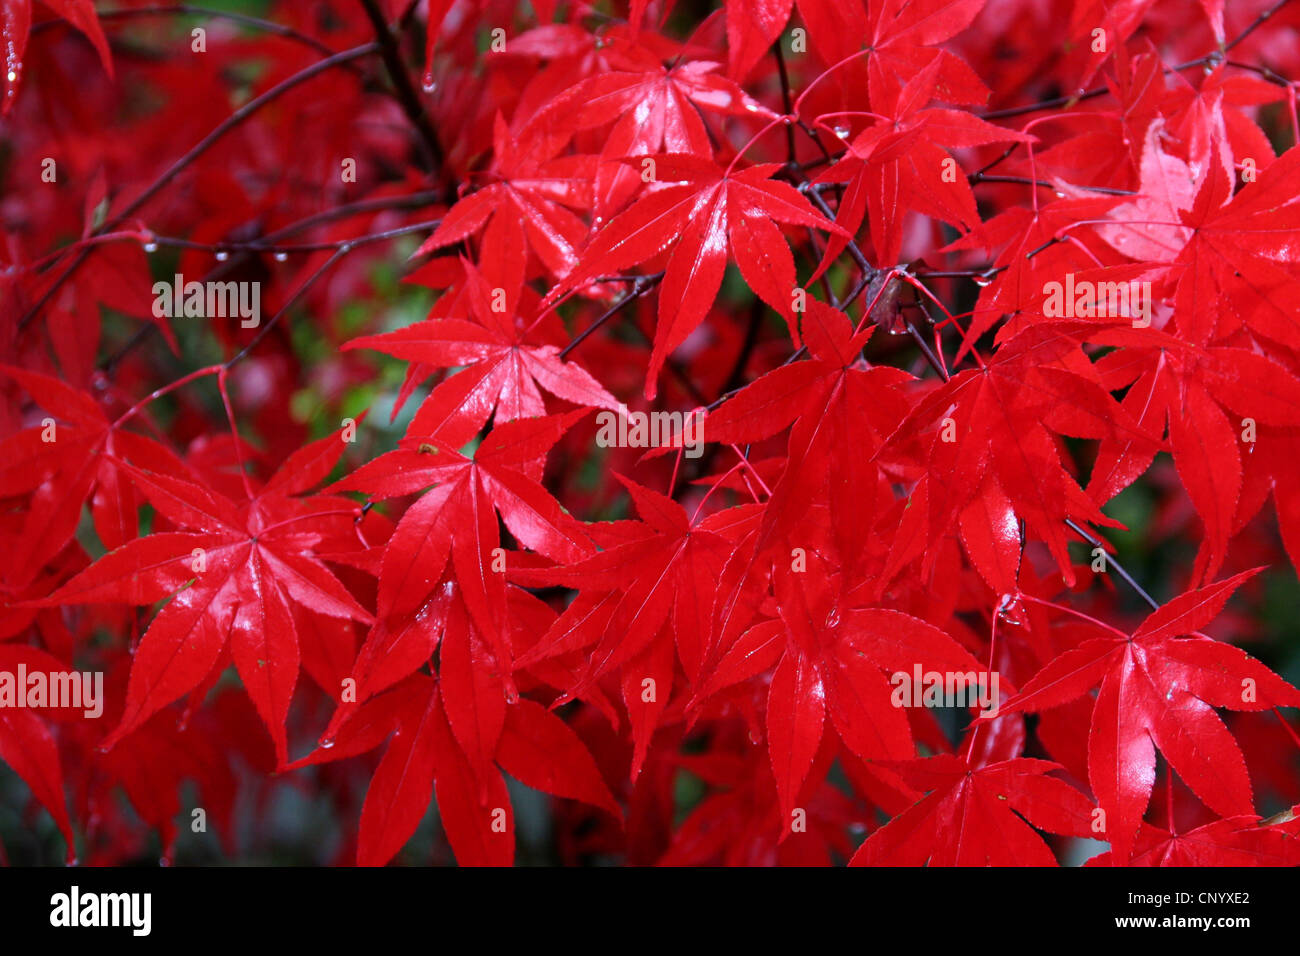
(767, 376)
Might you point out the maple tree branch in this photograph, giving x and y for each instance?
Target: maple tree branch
(266, 244)
(841, 305)
(986, 167)
(786, 101)
(341, 249)
(977, 273)
(1045, 104)
(185, 9)
(979, 177)
(852, 245)
(736, 377)
(935, 361)
(235, 118)
(109, 368)
(1256, 23)
(640, 287)
(298, 293)
(409, 201)
(1123, 573)
(405, 89)
(176, 168)
(817, 253)
(1263, 71)
(262, 245)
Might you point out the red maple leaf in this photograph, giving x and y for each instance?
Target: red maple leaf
(976, 816)
(701, 212)
(1158, 689)
(231, 577)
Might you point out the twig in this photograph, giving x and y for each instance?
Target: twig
(405, 90)
(340, 250)
(640, 287)
(185, 9)
(979, 177)
(785, 99)
(1096, 543)
(235, 118)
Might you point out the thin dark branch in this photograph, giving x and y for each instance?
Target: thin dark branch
(185, 9)
(977, 178)
(640, 287)
(235, 118)
(341, 250)
(1256, 24)
(786, 100)
(405, 89)
(1096, 543)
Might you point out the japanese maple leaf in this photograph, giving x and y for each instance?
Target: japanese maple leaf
(833, 661)
(1233, 841)
(26, 743)
(655, 109)
(231, 577)
(1106, 155)
(1158, 689)
(752, 27)
(15, 23)
(1119, 21)
(630, 590)
(834, 403)
(897, 165)
(502, 373)
(165, 757)
(1019, 276)
(527, 203)
(1215, 114)
(976, 816)
(902, 44)
(1239, 265)
(1231, 257)
(701, 212)
(472, 678)
(424, 760)
(739, 823)
(456, 520)
(998, 419)
(1148, 227)
(65, 461)
(1203, 394)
